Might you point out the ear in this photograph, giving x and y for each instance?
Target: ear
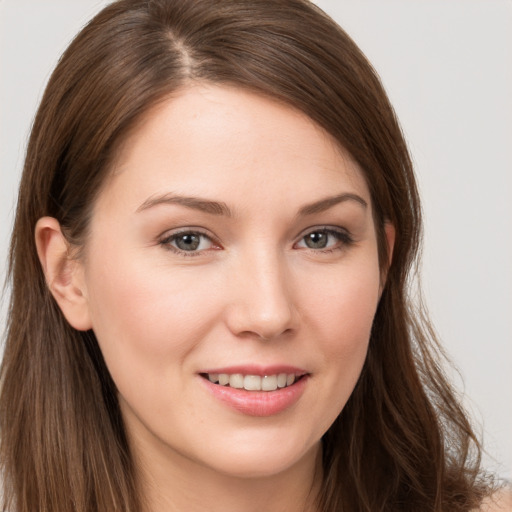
(64, 274)
(390, 234)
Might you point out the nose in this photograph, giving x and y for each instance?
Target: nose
(261, 302)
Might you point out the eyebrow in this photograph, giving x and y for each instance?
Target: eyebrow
(328, 202)
(195, 203)
(221, 208)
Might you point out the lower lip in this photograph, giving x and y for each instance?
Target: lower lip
(258, 403)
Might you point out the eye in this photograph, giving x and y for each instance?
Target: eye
(324, 239)
(188, 242)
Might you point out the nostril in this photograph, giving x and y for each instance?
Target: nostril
(265, 335)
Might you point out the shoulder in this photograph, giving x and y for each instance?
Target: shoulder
(500, 501)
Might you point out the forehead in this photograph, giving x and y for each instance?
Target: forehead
(211, 140)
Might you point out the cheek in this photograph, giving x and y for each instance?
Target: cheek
(146, 317)
(344, 307)
(342, 317)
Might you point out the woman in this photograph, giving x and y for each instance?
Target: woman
(214, 311)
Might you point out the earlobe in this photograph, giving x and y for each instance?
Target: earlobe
(63, 273)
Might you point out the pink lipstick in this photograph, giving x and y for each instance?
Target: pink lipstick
(256, 390)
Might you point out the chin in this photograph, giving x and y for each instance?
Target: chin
(260, 459)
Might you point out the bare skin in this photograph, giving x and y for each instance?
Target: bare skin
(501, 501)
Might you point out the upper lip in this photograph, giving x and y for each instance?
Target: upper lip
(252, 369)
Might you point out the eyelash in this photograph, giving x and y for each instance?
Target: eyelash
(166, 242)
(343, 237)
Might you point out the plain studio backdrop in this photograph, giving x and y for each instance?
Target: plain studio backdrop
(447, 67)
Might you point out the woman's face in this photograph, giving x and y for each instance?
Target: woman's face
(233, 242)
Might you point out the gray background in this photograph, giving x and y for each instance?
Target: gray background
(447, 66)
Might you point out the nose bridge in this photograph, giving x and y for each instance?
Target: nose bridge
(263, 302)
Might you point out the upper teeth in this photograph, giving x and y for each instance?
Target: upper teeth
(253, 382)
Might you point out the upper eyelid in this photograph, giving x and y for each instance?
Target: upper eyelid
(327, 228)
(169, 233)
(168, 237)
(344, 236)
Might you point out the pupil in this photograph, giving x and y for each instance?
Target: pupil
(188, 242)
(316, 240)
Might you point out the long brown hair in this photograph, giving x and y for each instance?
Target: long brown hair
(402, 441)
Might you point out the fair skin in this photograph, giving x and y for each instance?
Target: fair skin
(233, 237)
(501, 501)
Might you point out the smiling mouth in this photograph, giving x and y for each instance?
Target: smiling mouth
(253, 382)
